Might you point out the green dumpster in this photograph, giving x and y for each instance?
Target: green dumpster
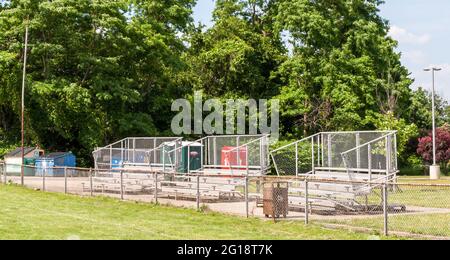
(29, 171)
(190, 155)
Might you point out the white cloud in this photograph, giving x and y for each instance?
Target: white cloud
(415, 57)
(405, 37)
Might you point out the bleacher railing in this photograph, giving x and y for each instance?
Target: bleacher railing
(323, 152)
(136, 152)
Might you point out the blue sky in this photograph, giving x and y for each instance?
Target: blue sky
(422, 28)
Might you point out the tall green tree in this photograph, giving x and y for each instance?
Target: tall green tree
(240, 53)
(421, 106)
(343, 65)
(98, 70)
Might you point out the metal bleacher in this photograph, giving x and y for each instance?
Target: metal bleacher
(342, 168)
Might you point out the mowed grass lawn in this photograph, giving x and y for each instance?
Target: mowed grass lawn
(429, 224)
(28, 214)
(423, 180)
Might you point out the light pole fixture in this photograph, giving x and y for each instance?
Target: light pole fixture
(435, 170)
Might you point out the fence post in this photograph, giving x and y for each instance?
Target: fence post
(121, 185)
(22, 180)
(306, 202)
(2, 173)
(296, 159)
(385, 209)
(5, 175)
(43, 178)
(246, 196)
(198, 192)
(91, 184)
(65, 180)
(156, 187)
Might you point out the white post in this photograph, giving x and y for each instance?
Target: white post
(435, 169)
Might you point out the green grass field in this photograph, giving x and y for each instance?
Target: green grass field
(28, 214)
(429, 224)
(423, 180)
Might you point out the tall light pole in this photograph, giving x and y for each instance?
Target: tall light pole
(22, 173)
(435, 170)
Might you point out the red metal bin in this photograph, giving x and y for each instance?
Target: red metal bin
(232, 157)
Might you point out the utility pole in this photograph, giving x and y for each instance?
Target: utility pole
(435, 170)
(22, 181)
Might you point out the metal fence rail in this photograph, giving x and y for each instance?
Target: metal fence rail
(405, 209)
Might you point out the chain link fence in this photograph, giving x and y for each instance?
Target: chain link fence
(404, 209)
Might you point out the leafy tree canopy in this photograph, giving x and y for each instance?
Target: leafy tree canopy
(98, 69)
(343, 65)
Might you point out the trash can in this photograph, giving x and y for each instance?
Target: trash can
(275, 199)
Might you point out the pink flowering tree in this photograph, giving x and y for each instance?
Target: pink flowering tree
(425, 148)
